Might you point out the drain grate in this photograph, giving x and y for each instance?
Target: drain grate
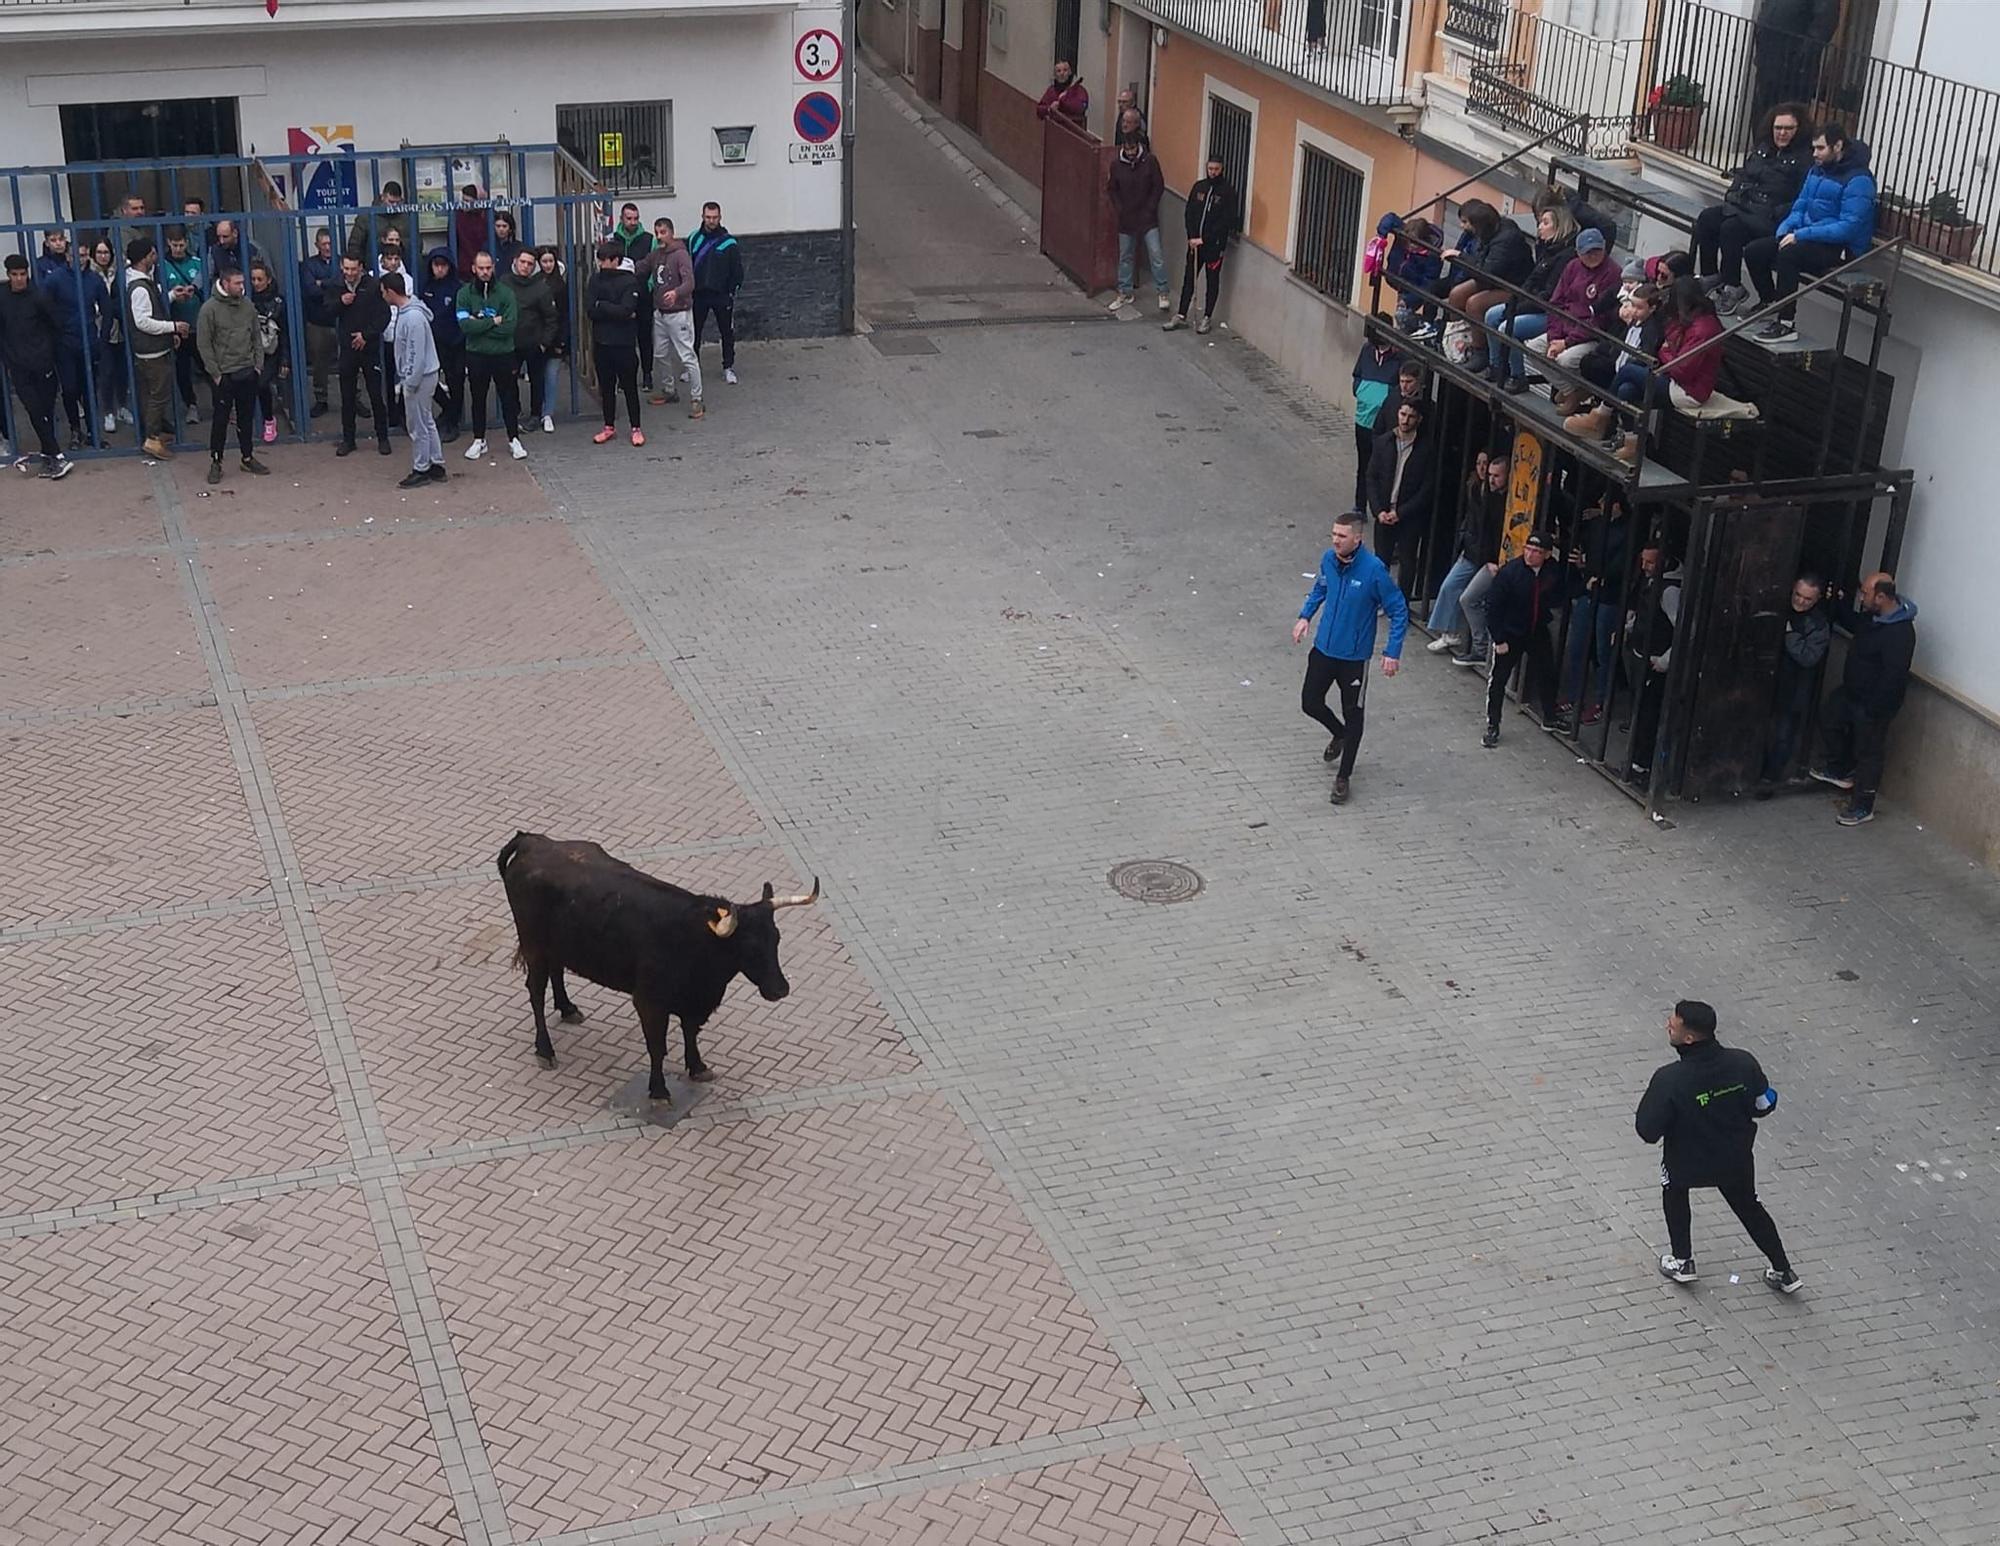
(1155, 880)
(894, 345)
(1017, 319)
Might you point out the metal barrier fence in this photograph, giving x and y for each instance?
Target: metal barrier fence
(343, 196)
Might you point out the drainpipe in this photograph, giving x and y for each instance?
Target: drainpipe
(850, 63)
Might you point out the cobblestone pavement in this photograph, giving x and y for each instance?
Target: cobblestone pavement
(1307, 1211)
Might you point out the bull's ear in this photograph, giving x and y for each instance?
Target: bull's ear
(723, 924)
(767, 891)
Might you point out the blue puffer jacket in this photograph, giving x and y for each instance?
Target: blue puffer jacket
(1837, 204)
(1352, 593)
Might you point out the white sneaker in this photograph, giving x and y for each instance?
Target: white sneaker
(476, 450)
(516, 450)
(111, 424)
(125, 414)
(1676, 1269)
(1164, 303)
(1443, 642)
(193, 414)
(727, 375)
(548, 424)
(1117, 301)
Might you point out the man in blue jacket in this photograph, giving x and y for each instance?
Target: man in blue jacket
(1354, 588)
(1832, 220)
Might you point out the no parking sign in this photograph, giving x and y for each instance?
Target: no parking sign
(817, 117)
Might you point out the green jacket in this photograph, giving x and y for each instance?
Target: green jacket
(173, 273)
(227, 337)
(486, 315)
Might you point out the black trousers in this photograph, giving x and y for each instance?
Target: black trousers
(1742, 1199)
(724, 313)
(450, 394)
(1854, 742)
(38, 396)
(496, 371)
(1323, 674)
(187, 366)
(1720, 235)
(1537, 653)
(1212, 270)
(359, 367)
(232, 394)
(1775, 270)
(645, 336)
(1789, 706)
(1649, 688)
(617, 366)
(1364, 448)
(530, 360)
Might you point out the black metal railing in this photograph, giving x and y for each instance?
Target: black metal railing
(1931, 139)
(1476, 23)
(1351, 48)
(1542, 76)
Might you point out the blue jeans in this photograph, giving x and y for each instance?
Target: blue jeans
(1445, 614)
(1634, 383)
(1527, 325)
(1591, 621)
(1127, 250)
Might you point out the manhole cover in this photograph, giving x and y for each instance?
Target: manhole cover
(1155, 880)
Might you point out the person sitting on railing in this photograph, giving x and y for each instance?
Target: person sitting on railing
(1415, 259)
(1761, 193)
(1555, 248)
(1621, 373)
(1691, 323)
(1587, 217)
(1585, 298)
(1066, 96)
(1832, 220)
(1503, 254)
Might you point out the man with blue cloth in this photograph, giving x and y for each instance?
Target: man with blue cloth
(1352, 591)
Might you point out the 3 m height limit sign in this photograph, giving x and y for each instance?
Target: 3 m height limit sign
(817, 55)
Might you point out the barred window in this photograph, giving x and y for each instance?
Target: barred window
(1329, 224)
(628, 146)
(1229, 143)
(1069, 30)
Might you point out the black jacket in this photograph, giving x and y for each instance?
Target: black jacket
(718, 265)
(316, 276)
(1479, 517)
(1413, 499)
(616, 302)
(1551, 258)
(367, 314)
(1703, 1106)
(1767, 183)
(1878, 662)
(1508, 256)
(1214, 214)
(29, 328)
(1521, 599)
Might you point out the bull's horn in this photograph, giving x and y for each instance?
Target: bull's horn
(796, 901)
(723, 924)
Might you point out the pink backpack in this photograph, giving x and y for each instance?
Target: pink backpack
(1375, 256)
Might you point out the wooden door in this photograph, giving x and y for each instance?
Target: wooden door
(971, 62)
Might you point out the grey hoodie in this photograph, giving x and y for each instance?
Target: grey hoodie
(414, 345)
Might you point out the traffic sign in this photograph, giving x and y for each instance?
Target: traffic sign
(817, 117)
(817, 56)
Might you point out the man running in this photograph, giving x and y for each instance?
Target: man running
(1705, 1107)
(1355, 587)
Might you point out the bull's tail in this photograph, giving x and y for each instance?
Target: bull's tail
(507, 854)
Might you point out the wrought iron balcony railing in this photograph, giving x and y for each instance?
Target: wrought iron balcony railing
(1350, 48)
(1542, 77)
(1476, 23)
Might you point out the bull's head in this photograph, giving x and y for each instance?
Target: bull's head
(752, 931)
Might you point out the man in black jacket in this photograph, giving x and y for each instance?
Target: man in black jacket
(318, 275)
(616, 303)
(1402, 480)
(1524, 595)
(355, 299)
(1761, 193)
(1854, 724)
(1808, 633)
(718, 275)
(29, 332)
(1213, 215)
(1703, 1109)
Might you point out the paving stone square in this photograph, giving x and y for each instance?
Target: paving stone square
(410, 780)
(158, 1057)
(61, 655)
(231, 1375)
(123, 512)
(683, 1319)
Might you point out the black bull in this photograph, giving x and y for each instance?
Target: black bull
(578, 909)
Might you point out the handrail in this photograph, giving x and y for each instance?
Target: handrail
(1533, 144)
(1822, 280)
(1401, 286)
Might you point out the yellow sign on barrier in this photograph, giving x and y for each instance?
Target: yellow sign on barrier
(1524, 488)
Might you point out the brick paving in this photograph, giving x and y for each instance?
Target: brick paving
(1305, 1212)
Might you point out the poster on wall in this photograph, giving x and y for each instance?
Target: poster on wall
(330, 183)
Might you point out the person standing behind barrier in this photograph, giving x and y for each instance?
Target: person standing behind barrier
(1065, 97)
(277, 340)
(1351, 590)
(1375, 370)
(1854, 723)
(559, 350)
(439, 292)
(29, 337)
(507, 246)
(534, 330)
(232, 352)
(616, 301)
(1807, 637)
(487, 315)
(674, 336)
(718, 275)
(468, 229)
(108, 359)
(416, 356)
(635, 245)
(81, 302)
(318, 276)
(180, 277)
(1524, 596)
(1472, 599)
(1402, 482)
(364, 316)
(156, 337)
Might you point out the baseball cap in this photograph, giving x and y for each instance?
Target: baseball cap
(1590, 239)
(1542, 540)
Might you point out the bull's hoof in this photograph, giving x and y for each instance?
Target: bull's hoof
(572, 1017)
(701, 1075)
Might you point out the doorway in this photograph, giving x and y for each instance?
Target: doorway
(151, 135)
(971, 61)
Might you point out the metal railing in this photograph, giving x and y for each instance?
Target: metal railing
(1476, 23)
(1931, 139)
(1351, 48)
(1543, 75)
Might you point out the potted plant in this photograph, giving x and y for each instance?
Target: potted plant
(1940, 225)
(1674, 110)
(1893, 212)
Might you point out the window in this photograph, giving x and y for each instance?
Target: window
(1229, 127)
(1329, 226)
(628, 146)
(1381, 26)
(1069, 29)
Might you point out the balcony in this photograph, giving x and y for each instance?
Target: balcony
(1543, 79)
(1352, 49)
(1932, 139)
(1477, 24)
(55, 21)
